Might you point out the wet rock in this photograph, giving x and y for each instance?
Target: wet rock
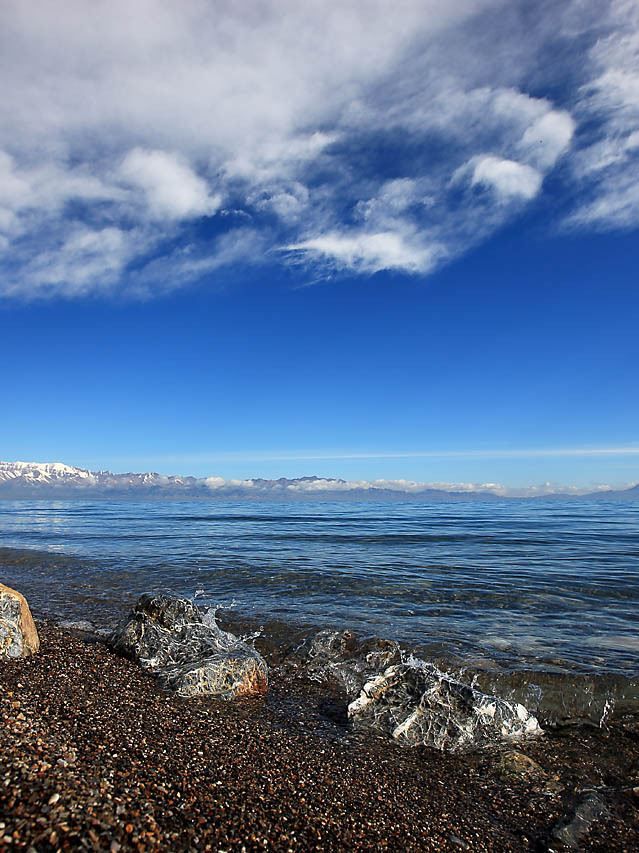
(565, 698)
(419, 705)
(188, 652)
(18, 634)
(341, 657)
(240, 671)
(554, 785)
(569, 832)
(79, 626)
(514, 764)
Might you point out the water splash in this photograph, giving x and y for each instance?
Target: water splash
(418, 704)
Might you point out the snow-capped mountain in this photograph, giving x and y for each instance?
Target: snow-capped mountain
(44, 478)
(57, 480)
(32, 473)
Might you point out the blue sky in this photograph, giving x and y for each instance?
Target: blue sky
(365, 240)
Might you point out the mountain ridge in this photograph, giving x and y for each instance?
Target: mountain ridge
(44, 480)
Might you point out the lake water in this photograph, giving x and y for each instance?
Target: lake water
(551, 584)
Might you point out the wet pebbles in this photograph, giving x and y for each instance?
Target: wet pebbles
(93, 755)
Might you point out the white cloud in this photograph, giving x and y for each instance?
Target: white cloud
(609, 101)
(319, 485)
(495, 453)
(15, 191)
(615, 205)
(313, 486)
(602, 155)
(171, 188)
(333, 127)
(507, 178)
(393, 198)
(402, 486)
(370, 253)
(286, 201)
(272, 159)
(220, 483)
(190, 262)
(85, 260)
(548, 138)
(44, 189)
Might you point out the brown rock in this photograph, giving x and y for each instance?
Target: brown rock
(514, 763)
(228, 676)
(18, 634)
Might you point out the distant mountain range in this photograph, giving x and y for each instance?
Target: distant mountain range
(47, 480)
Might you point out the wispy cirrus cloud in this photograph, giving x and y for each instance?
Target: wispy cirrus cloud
(138, 142)
(624, 450)
(608, 104)
(370, 252)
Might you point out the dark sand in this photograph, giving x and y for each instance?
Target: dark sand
(93, 755)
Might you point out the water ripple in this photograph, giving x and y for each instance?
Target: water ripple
(517, 581)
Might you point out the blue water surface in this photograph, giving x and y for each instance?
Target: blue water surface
(522, 581)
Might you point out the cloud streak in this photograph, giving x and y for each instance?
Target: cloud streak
(318, 456)
(137, 143)
(608, 162)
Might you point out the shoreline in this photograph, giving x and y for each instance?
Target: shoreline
(555, 694)
(105, 612)
(95, 755)
(458, 595)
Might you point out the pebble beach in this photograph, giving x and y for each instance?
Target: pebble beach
(95, 755)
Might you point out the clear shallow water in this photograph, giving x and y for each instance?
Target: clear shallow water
(517, 582)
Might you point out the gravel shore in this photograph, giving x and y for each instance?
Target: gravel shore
(94, 755)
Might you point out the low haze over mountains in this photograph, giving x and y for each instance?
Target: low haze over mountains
(56, 480)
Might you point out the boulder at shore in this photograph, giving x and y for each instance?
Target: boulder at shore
(18, 634)
(419, 705)
(184, 647)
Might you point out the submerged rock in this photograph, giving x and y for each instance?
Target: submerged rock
(407, 698)
(566, 698)
(569, 833)
(341, 657)
(514, 764)
(184, 647)
(419, 705)
(18, 634)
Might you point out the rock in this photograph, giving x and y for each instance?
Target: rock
(228, 675)
(566, 698)
(515, 764)
(184, 647)
(569, 832)
(339, 656)
(456, 841)
(419, 705)
(18, 634)
(553, 785)
(79, 626)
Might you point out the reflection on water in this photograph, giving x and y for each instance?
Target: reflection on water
(512, 581)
